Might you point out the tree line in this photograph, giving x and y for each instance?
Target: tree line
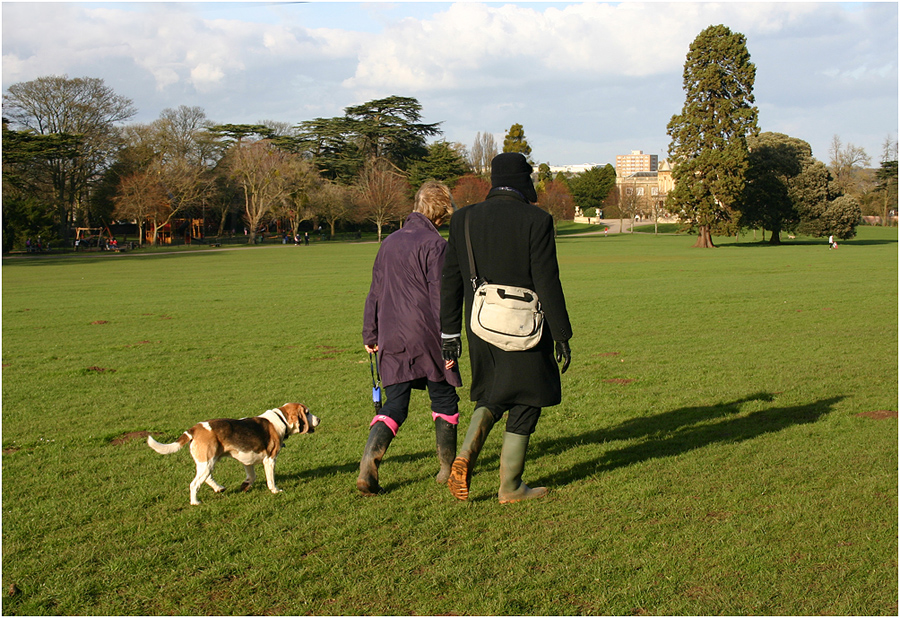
(71, 160)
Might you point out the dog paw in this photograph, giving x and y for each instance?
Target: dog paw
(245, 486)
(275, 490)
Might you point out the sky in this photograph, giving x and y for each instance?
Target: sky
(587, 81)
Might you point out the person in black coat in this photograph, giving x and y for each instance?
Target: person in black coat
(401, 324)
(513, 243)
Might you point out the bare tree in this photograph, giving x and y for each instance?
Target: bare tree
(382, 193)
(296, 206)
(483, 152)
(847, 163)
(140, 197)
(260, 170)
(160, 191)
(470, 190)
(557, 200)
(332, 202)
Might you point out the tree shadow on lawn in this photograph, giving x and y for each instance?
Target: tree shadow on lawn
(676, 432)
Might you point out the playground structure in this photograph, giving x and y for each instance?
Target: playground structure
(191, 228)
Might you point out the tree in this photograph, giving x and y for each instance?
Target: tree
(183, 133)
(841, 217)
(811, 194)
(886, 190)
(390, 128)
(83, 107)
(590, 187)
(443, 162)
(515, 141)
(141, 197)
(296, 206)
(556, 199)
(261, 170)
(25, 181)
(709, 147)
(483, 152)
(329, 143)
(775, 160)
(332, 202)
(544, 174)
(162, 190)
(381, 193)
(470, 189)
(847, 163)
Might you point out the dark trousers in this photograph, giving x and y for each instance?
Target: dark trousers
(522, 420)
(444, 399)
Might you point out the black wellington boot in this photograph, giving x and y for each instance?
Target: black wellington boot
(461, 472)
(380, 438)
(512, 464)
(445, 437)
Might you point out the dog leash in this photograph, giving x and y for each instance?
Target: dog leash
(376, 385)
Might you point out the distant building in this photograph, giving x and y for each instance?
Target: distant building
(571, 170)
(636, 162)
(643, 193)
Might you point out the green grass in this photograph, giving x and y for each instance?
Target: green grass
(709, 456)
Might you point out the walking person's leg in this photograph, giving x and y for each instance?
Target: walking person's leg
(520, 424)
(445, 412)
(384, 427)
(483, 419)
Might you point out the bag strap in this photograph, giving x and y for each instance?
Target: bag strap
(475, 278)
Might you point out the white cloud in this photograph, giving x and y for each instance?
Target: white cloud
(583, 79)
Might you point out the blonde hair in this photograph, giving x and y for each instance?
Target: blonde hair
(434, 201)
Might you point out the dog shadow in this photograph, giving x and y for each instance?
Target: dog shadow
(676, 432)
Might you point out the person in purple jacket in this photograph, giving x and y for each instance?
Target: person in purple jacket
(401, 324)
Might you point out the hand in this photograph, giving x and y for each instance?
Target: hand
(451, 348)
(371, 349)
(563, 354)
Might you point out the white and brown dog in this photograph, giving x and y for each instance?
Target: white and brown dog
(249, 440)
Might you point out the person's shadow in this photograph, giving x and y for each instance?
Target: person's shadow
(676, 432)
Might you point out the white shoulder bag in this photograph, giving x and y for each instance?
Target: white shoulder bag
(505, 316)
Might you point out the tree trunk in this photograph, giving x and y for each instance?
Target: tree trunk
(704, 238)
(775, 239)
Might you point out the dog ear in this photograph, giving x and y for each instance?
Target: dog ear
(303, 417)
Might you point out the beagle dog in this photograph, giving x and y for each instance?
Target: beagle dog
(249, 440)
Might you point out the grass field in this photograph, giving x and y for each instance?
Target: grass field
(727, 441)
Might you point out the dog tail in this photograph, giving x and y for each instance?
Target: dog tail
(174, 447)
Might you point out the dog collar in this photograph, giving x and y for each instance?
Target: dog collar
(281, 418)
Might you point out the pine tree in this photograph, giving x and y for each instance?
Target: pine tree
(515, 142)
(709, 136)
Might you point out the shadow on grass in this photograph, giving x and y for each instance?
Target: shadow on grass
(731, 243)
(676, 432)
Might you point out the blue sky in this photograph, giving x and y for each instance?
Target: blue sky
(587, 81)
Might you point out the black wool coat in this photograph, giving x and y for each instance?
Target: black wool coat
(513, 242)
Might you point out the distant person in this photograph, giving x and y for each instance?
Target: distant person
(401, 324)
(513, 242)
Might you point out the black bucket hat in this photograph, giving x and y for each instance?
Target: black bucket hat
(511, 169)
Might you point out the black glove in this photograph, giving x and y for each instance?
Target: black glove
(451, 348)
(563, 354)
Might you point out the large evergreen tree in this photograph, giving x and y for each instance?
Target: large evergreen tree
(709, 147)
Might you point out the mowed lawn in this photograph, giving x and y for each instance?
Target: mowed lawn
(727, 441)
